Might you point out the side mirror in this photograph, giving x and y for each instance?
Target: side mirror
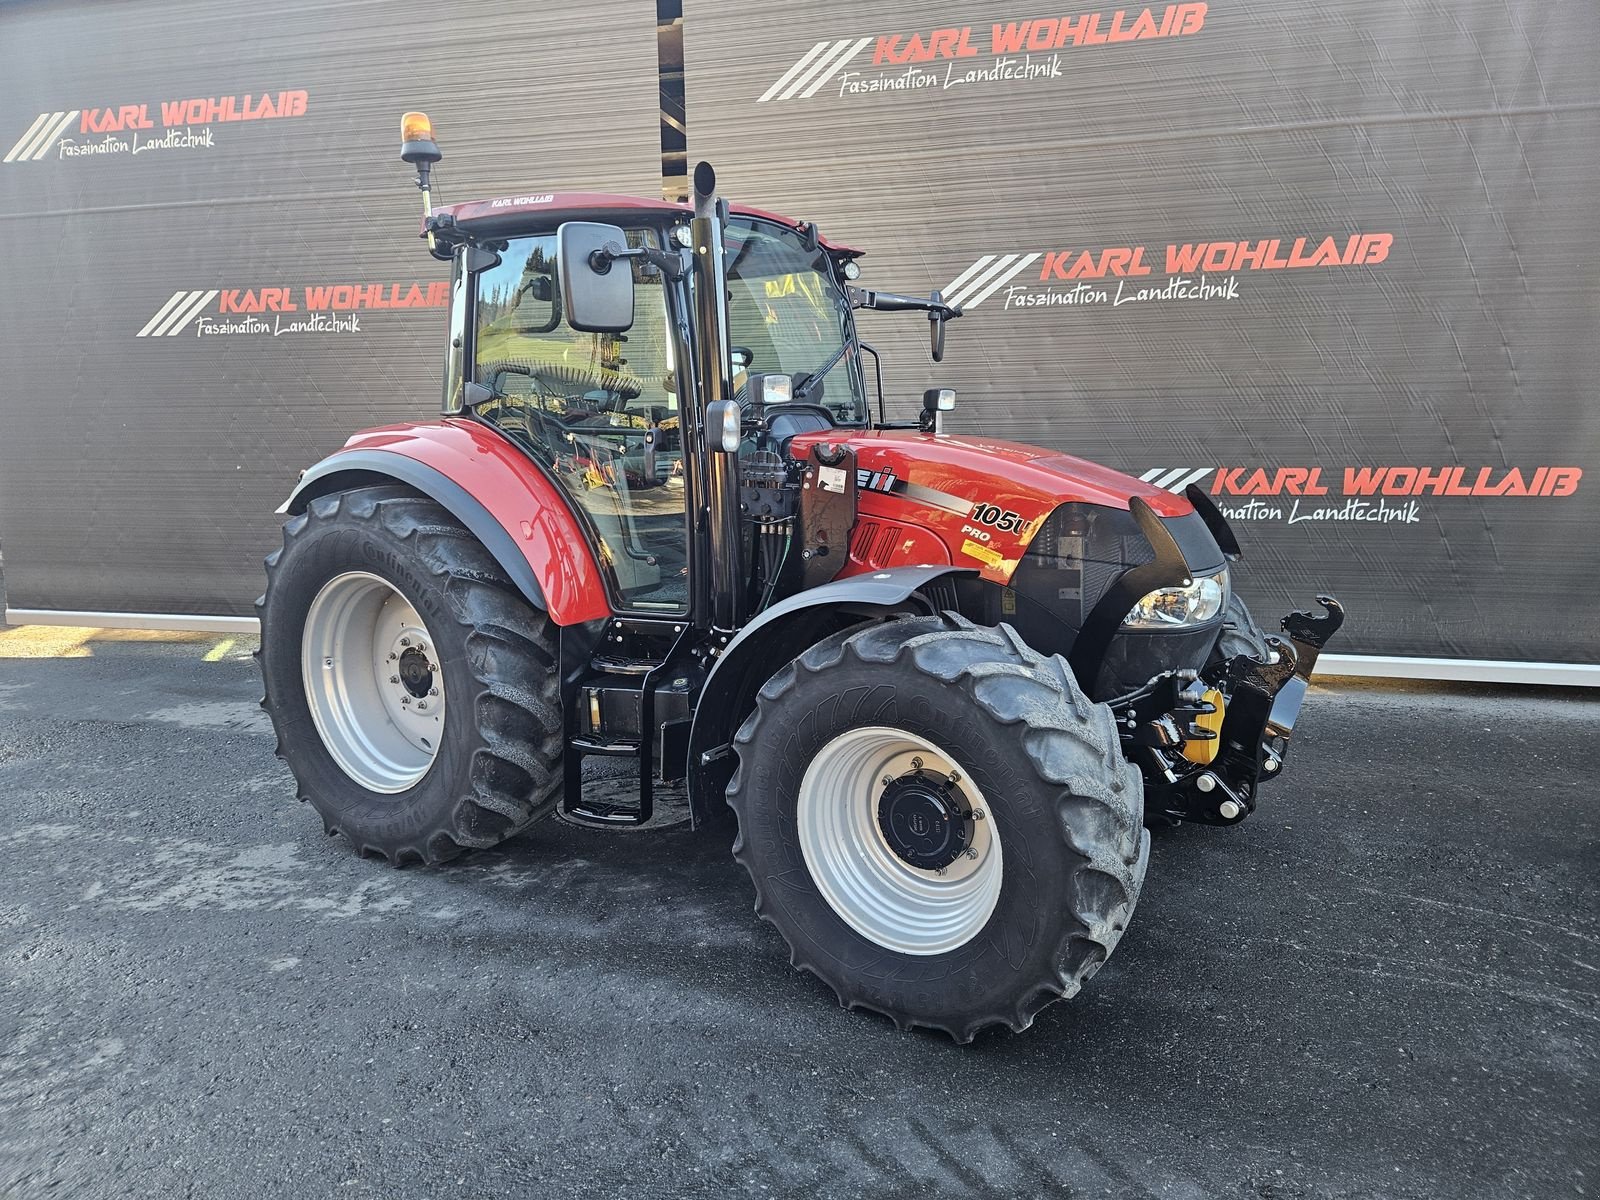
(723, 426)
(596, 285)
(936, 328)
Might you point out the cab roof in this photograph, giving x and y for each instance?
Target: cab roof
(505, 213)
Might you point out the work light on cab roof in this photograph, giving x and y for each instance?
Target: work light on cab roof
(942, 681)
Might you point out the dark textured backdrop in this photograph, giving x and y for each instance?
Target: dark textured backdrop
(139, 473)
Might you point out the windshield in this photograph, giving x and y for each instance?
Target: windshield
(785, 309)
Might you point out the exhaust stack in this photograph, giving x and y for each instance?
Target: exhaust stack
(712, 365)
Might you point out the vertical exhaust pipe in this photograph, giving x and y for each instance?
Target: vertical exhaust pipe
(712, 366)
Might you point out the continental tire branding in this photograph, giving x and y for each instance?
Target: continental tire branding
(334, 308)
(402, 571)
(1006, 53)
(158, 126)
(1381, 494)
(1114, 276)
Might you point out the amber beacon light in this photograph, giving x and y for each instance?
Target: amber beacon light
(416, 140)
(418, 148)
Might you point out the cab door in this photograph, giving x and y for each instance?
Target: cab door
(598, 412)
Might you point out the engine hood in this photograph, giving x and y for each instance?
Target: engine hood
(981, 499)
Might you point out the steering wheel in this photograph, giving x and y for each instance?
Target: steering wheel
(566, 378)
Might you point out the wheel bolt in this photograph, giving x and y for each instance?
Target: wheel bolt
(433, 691)
(394, 679)
(405, 699)
(887, 780)
(954, 777)
(422, 704)
(916, 763)
(977, 814)
(392, 657)
(972, 852)
(405, 641)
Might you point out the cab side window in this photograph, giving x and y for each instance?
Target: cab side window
(598, 411)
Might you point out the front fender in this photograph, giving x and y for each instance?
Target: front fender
(493, 489)
(781, 634)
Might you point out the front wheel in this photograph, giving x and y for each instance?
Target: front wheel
(1239, 634)
(939, 822)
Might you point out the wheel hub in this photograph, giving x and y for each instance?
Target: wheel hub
(925, 819)
(416, 672)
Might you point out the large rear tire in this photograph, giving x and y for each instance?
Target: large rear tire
(939, 822)
(414, 692)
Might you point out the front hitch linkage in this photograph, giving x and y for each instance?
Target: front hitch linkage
(1263, 701)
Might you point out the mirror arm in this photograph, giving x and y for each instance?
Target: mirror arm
(894, 302)
(670, 265)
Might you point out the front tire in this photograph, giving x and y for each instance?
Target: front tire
(414, 692)
(939, 822)
(1239, 634)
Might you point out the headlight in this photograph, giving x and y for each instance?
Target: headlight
(1177, 607)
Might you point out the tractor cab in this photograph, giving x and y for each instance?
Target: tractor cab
(594, 374)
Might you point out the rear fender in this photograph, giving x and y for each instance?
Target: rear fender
(493, 489)
(781, 634)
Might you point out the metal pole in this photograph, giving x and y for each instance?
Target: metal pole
(424, 185)
(711, 370)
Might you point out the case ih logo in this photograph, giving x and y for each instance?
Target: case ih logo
(276, 311)
(140, 128)
(1118, 275)
(1382, 494)
(963, 55)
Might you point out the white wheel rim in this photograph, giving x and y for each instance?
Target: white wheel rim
(373, 682)
(864, 879)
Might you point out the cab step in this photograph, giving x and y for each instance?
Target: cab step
(627, 700)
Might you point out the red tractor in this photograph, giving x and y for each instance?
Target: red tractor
(942, 681)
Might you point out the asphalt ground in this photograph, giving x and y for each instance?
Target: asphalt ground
(1383, 984)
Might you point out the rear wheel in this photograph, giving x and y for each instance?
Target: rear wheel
(413, 690)
(939, 822)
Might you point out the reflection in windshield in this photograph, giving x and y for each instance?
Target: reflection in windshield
(786, 309)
